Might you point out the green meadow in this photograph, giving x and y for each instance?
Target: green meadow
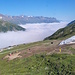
(38, 64)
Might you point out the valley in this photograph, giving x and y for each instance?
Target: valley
(33, 33)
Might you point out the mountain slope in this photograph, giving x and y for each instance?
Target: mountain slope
(66, 32)
(72, 22)
(27, 19)
(6, 26)
(39, 58)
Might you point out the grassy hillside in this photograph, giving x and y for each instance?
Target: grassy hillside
(6, 26)
(39, 58)
(62, 33)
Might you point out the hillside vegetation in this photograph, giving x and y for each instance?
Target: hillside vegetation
(6, 26)
(39, 58)
(65, 32)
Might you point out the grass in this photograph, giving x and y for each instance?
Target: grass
(25, 46)
(38, 64)
(64, 33)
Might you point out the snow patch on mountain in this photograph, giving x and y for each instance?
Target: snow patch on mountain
(70, 40)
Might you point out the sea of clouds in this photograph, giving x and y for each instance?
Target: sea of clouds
(34, 32)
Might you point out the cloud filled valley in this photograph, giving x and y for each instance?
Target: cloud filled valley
(34, 32)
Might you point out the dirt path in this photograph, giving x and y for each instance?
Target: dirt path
(46, 47)
(50, 49)
(13, 56)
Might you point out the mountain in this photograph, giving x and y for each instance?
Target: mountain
(65, 32)
(27, 19)
(6, 26)
(72, 22)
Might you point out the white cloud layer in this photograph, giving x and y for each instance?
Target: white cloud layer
(33, 33)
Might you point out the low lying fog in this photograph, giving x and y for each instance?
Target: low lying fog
(33, 33)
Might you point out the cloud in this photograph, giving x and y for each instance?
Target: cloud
(34, 32)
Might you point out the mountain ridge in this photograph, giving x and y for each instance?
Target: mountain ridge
(28, 19)
(6, 26)
(65, 32)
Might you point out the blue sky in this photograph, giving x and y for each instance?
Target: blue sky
(60, 9)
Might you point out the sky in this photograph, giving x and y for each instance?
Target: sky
(60, 9)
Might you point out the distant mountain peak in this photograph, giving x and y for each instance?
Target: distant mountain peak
(22, 19)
